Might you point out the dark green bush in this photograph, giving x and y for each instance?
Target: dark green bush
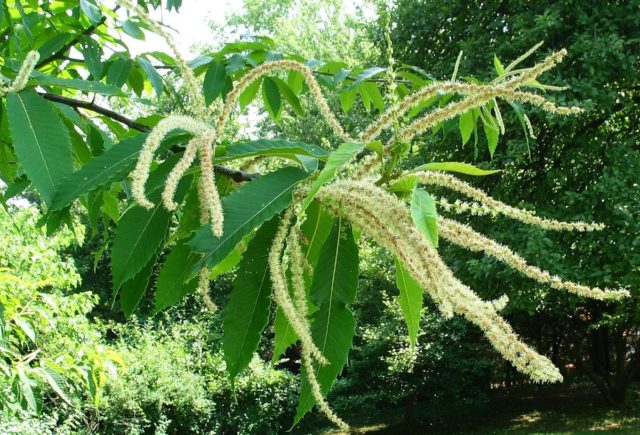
(175, 382)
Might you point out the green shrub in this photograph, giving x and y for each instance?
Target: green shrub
(175, 381)
(53, 362)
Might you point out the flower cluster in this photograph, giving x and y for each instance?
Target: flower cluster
(386, 219)
(22, 77)
(364, 201)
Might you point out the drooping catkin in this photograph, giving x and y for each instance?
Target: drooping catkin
(140, 174)
(450, 182)
(387, 220)
(27, 67)
(281, 294)
(462, 235)
(275, 66)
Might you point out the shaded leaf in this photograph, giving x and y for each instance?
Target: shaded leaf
(214, 81)
(247, 312)
(140, 232)
(132, 290)
(271, 97)
(333, 325)
(174, 280)
(410, 300)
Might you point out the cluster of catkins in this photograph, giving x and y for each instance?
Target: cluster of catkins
(381, 216)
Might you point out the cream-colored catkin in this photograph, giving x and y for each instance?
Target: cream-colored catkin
(460, 207)
(462, 235)
(452, 110)
(387, 220)
(316, 391)
(178, 171)
(296, 266)
(282, 65)
(203, 289)
(211, 199)
(27, 67)
(481, 93)
(280, 293)
(414, 99)
(450, 182)
(140, 174)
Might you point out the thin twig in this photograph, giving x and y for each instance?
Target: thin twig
(95, 108)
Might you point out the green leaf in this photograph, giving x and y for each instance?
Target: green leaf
(247, 312)
(363, 76)
(498, 65)
(214, 81)
(373, 91)
(276, 148)
(26, 327)
(91, 10)
(410, 300)
(109, 166)
(133, 30)
(119, 71)
(152, 75)
(423, 212)
(40, 141)
(248, 95)
(174, 280)
(316, 228)
(340, 156)
(466, 122)
(463, 168)
(348, 99)
(295, 80)
(271, 98)
(132, 291)
(92, 57)
(230, 262)
(284, 335)
(77, 84)
(291, 98)
(333, 326)
(245, 209)
(140, 232)
(404, 186)
(56, 382)
(492, 134)
(26, 391)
